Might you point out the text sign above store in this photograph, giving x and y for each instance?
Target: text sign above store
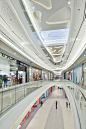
(23, 64)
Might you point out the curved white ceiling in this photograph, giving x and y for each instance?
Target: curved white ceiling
(61, 16)
(45, 3)
(37, 15)
(21, 36)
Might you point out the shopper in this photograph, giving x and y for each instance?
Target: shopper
(5, 80)
(69, 104)
(56, 104)
(41, 103)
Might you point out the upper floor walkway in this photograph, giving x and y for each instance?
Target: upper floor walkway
(30, 93)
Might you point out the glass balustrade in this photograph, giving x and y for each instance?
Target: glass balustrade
(11, 95)
(80, 103)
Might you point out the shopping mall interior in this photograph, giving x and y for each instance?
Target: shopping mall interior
(43, 64)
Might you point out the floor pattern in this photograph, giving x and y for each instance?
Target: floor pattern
(48, 117)
(55, 118)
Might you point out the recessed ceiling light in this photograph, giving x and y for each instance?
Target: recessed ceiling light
(33, 7)
(58, 47)
(56, 54)
(69, 2)
(54, 51)
(60, 50)
(84, 55)
(40, 28)
(14, 53)
(23, 43)
(50, 47)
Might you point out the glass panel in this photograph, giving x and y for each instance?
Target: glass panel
(83, 109)
(19, 92)
(8, 99)
(27, 90)
(0, 101)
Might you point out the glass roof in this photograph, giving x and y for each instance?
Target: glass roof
(57, 36)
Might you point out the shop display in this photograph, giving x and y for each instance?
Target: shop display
(14, 70)
(77, 74)
(37, 74)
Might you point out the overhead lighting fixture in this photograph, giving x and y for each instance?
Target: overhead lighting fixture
(60, 50)
(40, 28)
(50, 47)
(14, 53)
(56, 54)
(54, 51)
(58, 47)
(23, 43)
(84, 55)
(69, 2)
(21, 52)
(33, 7)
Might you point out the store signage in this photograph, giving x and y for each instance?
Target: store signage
(23, 64)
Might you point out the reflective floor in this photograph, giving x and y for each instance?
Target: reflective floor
(48, 117)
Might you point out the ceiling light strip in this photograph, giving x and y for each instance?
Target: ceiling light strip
(18, 50)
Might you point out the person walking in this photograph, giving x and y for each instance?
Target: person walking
(69, 104)
(5, 80)
(56, 104)
(41, 103)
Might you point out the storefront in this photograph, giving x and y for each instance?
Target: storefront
(37, 74)
(48, 75)
(22, 72)
(77, 74)
(30, 73)
(84, 74)
(45, 75)
(11, 71)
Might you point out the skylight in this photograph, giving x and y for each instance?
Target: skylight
(55, 36)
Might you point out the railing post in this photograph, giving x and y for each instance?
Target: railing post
(24, 90)
(85, 114)
(2, 102)
(15, 93)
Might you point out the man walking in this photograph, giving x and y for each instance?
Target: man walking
(69, 104)
(56, 104)
(41, 103)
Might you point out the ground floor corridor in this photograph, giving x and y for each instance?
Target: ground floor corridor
(48, 117)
